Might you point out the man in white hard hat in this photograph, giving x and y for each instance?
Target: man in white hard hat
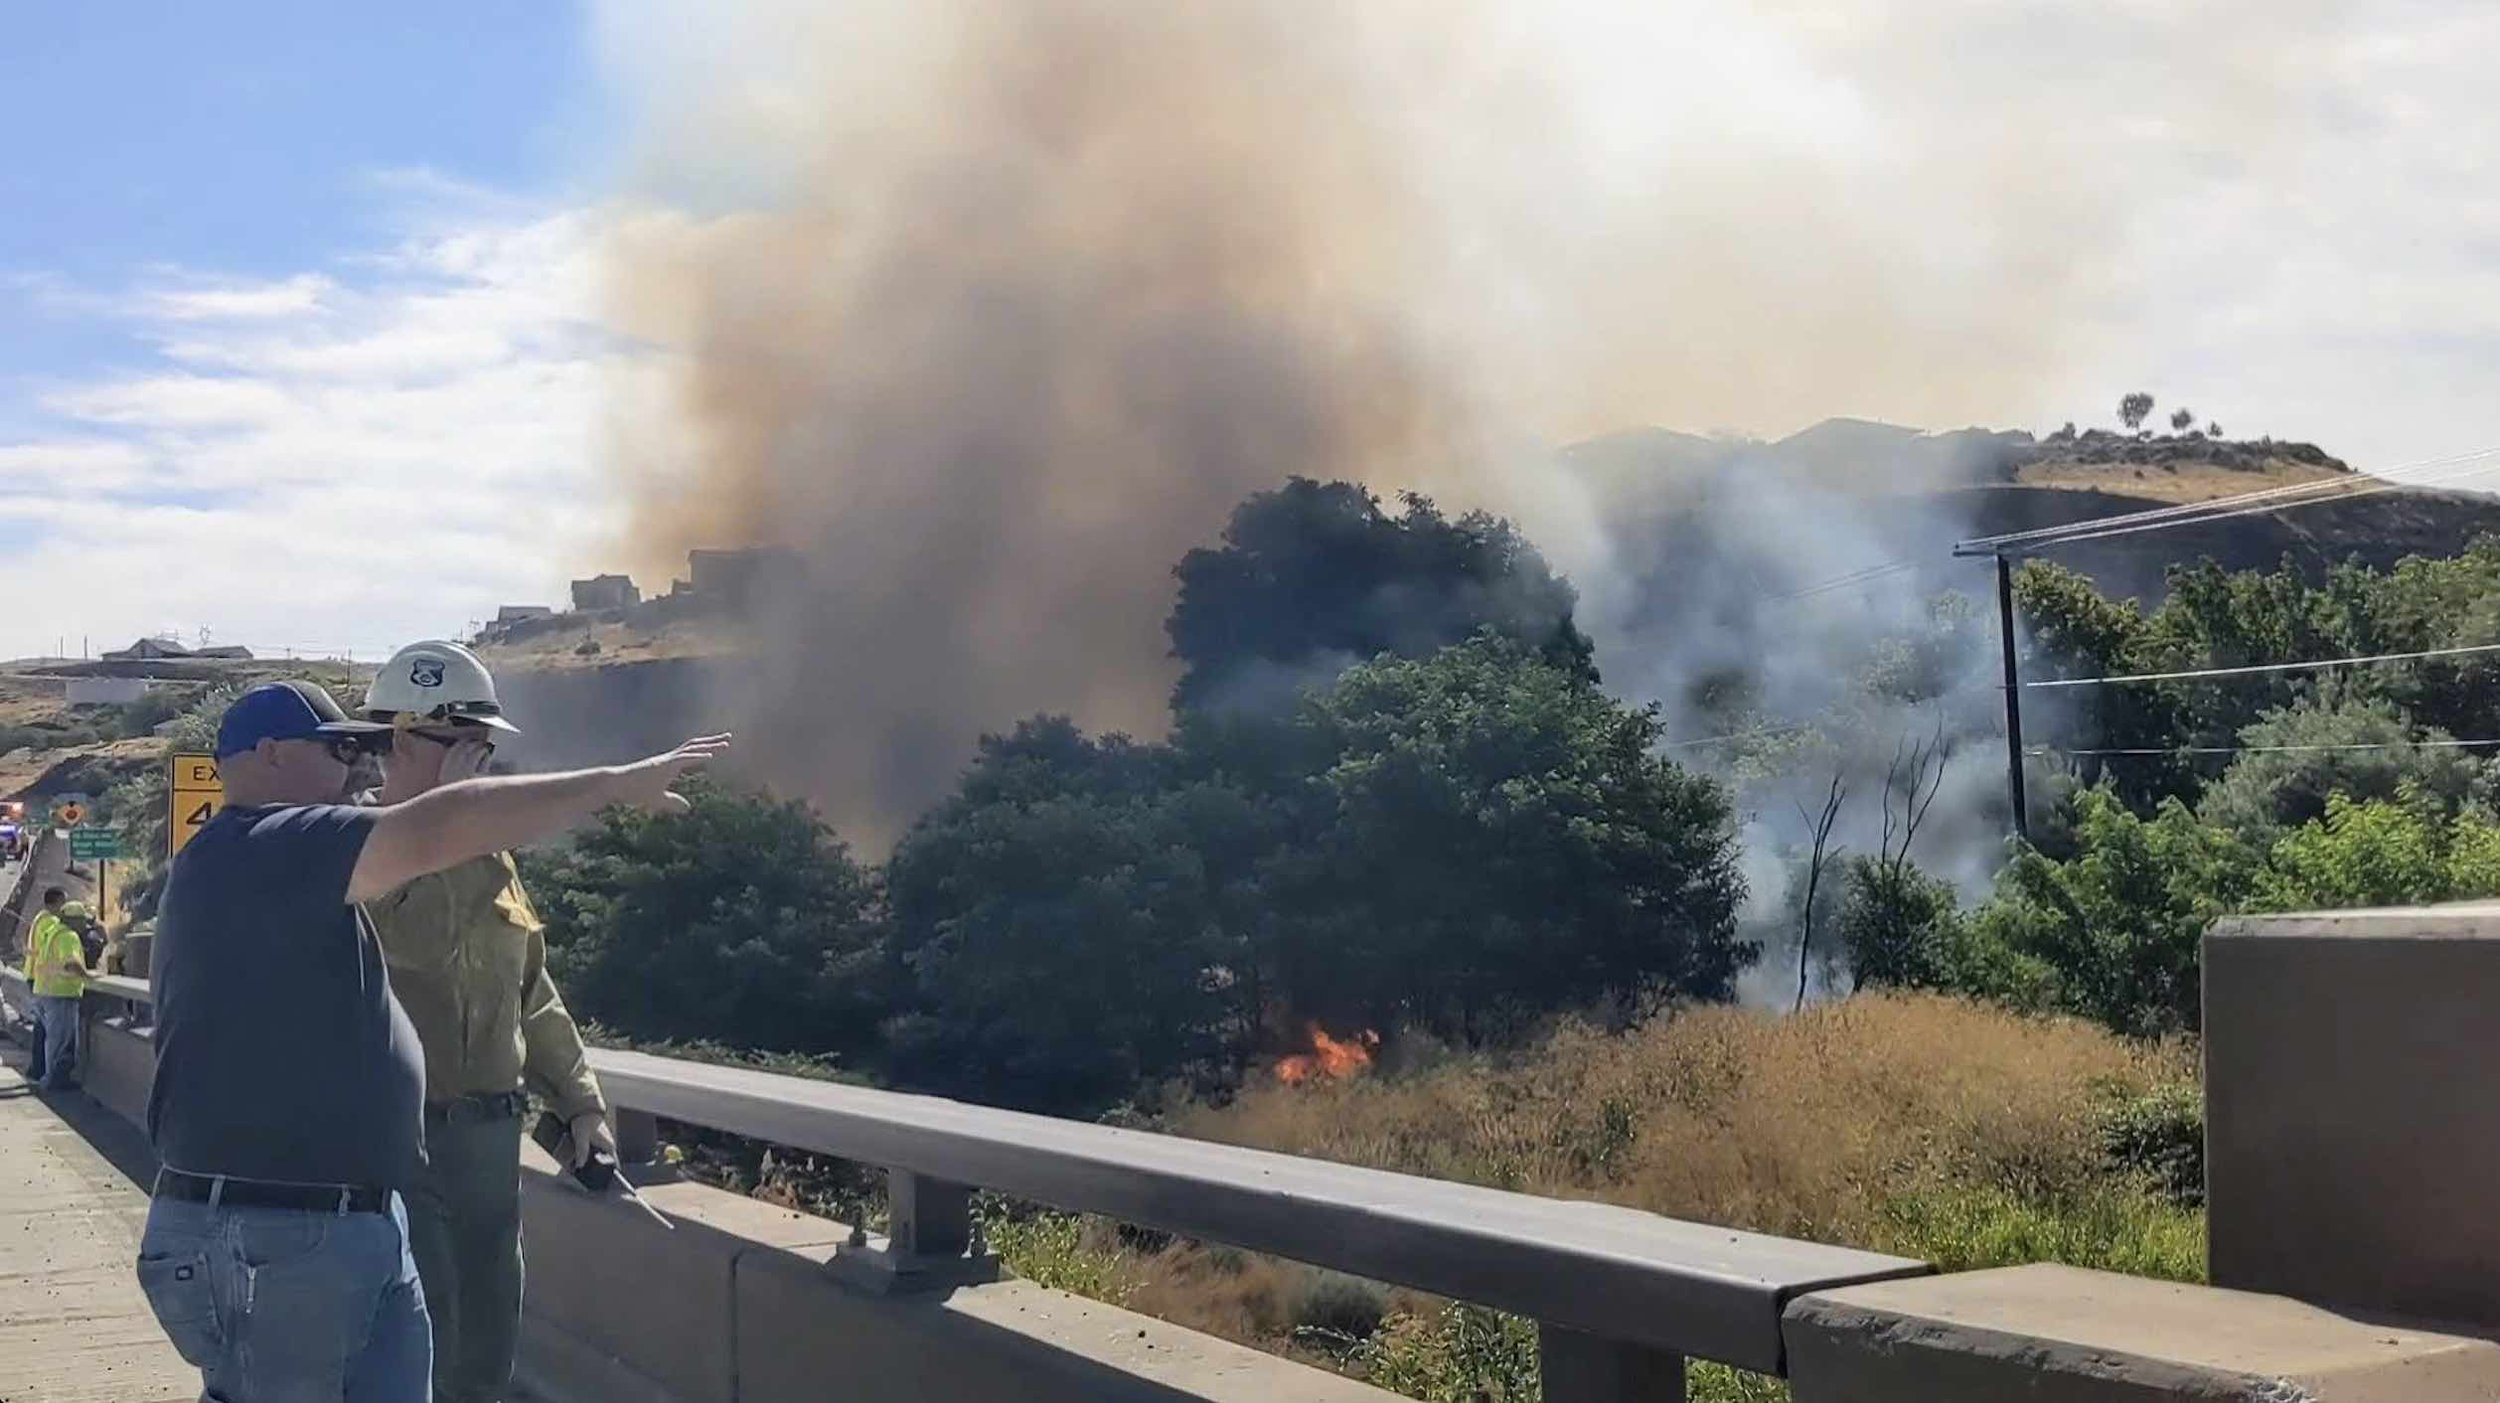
(469, 961)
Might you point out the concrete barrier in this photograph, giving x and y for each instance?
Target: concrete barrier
(2064, 1335)
(120, 1062)
(737, 1304)
(2352, 1131)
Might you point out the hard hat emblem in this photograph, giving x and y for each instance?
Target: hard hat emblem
(426, 672)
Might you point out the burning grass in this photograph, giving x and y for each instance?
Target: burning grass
(1808, 1126)
(1921, 1125)
(1330, 1059)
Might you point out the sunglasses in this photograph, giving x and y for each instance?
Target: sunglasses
(347, 750)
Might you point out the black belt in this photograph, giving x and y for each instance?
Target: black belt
(484, 1105)
(255, 1193)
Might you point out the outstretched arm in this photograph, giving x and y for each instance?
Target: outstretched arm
(448, 826)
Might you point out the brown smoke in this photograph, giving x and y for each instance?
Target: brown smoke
(1028, 293)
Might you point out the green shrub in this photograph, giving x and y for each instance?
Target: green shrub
(1050, 1249)
(2120, 1229)
(2160, 1137)
(1466, 1354)
(1333, 1305)
(1458, 1354)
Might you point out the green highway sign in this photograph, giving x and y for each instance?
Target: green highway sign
(95, 844)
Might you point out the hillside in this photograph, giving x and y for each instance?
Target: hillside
(48, 746)
(1893, 493)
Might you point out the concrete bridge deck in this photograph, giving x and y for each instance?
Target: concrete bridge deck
(73, 1326)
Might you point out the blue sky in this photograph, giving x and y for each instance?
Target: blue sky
(310, 314)
(260, 139)
(156, 157)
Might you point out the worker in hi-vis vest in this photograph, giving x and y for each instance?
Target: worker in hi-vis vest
(468, 959)
(56, 966)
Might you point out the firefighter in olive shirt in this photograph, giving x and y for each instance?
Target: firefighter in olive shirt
(468, 960)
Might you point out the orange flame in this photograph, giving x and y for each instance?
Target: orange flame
(1328, 1059)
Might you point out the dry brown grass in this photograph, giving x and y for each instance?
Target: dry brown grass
(2174, 482)
(1950, 1131)
(1804, 1126)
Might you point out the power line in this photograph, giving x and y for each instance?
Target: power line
(2242, 504)
(2321, 489)
(2264, 667)
(2260, 509)
(1868, 575)
(2269, 499)
(2269, 749)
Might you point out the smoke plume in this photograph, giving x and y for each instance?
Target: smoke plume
(990, 311)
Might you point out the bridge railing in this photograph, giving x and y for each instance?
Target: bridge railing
(1621, 1297)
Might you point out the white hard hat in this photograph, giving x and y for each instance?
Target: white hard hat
(435, 681)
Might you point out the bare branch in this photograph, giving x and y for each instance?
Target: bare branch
(1822, 854)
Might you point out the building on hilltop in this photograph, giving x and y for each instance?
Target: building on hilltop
(521, 613)
(149, 650)
(602, 592)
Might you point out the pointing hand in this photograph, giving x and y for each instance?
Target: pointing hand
(644, 784)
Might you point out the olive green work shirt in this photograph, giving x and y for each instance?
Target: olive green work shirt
(468, 959)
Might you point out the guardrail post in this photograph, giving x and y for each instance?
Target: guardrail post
(637, 1135)
(1578, 1368)
(927, 1217)
(930, 1242)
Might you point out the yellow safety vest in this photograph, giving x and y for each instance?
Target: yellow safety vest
(51, 945)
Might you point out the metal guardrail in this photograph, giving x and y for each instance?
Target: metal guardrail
(1596, 1277)
(1599, 1270)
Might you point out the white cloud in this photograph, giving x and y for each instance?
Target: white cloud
(326, 460)
(290, 297)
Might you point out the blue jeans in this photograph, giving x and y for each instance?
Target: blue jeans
(277, 1305)
(61, 1031)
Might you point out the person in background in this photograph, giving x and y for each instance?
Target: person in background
(469, 960)
(89, 929)
(287, 1107)
(47, 911)
(56, 966)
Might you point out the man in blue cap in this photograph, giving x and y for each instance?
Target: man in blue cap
(289, 1084)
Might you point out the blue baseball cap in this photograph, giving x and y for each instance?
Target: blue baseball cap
(286, 711)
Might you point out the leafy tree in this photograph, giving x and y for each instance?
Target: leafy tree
(2134, 409)
(1065, 926)
(2214, 618)
(2301, 756)
(1316, 576)
(1489, 837)
(1899, 925)
(2382, 853)
(745, 921)
(2181, 420)
(2112, 934)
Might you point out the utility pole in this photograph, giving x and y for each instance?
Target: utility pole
(1994, 548)
(2013, 701)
